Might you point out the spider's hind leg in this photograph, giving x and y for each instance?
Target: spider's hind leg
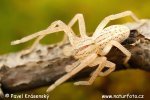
(112, 43)
(107, 19)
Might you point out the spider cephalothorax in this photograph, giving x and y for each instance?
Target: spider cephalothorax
(85, 47)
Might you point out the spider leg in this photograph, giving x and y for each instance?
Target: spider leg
(108, 64)
(69, 68)
(82, 28)
(34, 45)
(81, 22)
(107, 19)
(102, 62)
(59, 26)
(36, 42)
(84, 63)
(112, 43)
(111, 67)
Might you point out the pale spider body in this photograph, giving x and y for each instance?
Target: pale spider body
(89, 51)
(88, 45)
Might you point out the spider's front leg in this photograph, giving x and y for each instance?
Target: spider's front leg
(36, 42)
(80, 19)
(82, 28)
(102, 63)
(32, 48)
(54, 27)
(69, 68)
(84, 63)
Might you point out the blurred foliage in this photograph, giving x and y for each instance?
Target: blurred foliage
(19, 18)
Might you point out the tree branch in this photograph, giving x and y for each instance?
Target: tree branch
(46, 64)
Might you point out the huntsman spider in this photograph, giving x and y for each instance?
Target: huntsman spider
(89, 51)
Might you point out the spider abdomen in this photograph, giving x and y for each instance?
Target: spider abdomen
(115, 32)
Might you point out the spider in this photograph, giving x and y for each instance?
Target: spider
(89, 51)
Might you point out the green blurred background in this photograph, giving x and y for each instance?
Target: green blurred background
(19, 18)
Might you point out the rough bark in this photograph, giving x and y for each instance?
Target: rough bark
(46, 64)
